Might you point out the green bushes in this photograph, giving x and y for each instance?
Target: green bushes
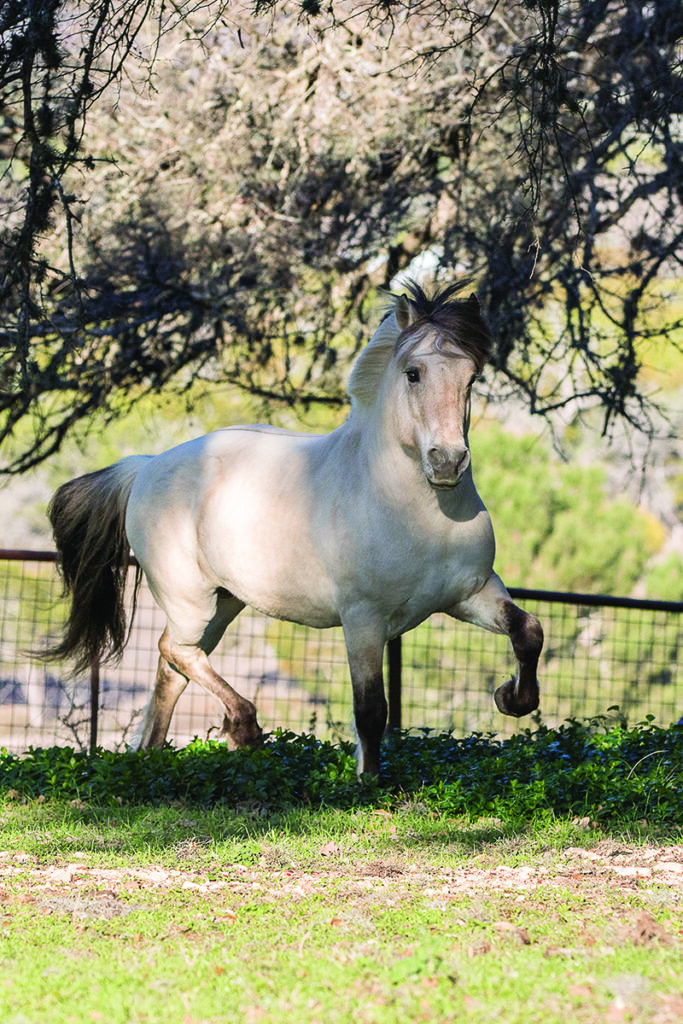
(556, 526)
(576, 770)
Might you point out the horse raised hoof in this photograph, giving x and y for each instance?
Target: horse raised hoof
(242, 731)
(510, 702)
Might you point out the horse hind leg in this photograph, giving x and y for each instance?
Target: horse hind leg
(180, 662)
(240, 724)
(168, 686)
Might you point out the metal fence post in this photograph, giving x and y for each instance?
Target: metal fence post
(94, 703)
(394, 651)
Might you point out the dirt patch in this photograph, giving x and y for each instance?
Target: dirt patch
(62, 885)
(103, 905)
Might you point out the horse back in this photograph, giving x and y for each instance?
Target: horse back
(234, 509)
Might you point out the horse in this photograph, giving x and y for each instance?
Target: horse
(373, 526)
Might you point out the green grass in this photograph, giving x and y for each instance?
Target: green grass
(535, 879)
(165, 914)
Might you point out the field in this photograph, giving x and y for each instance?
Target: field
(156, 915)
(538, 878)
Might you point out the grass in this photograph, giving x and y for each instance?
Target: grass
(211, 901)
(169, 914)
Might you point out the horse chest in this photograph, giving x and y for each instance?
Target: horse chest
(411, 573)
(411, 598)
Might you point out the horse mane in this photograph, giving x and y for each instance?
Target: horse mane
(457, 324)
(371, 364)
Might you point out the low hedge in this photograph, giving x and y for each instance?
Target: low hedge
(578, 769)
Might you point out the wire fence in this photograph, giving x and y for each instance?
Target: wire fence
(600, 653)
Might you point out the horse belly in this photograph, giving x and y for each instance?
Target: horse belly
(295, 592)
(285, 584)
(256, 539)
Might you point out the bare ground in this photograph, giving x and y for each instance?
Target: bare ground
(654, 870)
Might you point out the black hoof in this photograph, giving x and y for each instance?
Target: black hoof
(514, 704)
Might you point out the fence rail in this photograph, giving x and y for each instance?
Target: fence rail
(600, 652)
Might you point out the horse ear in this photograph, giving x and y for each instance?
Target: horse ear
(473, 301)
(403, 312)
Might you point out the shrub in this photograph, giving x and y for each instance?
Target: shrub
(595, 769)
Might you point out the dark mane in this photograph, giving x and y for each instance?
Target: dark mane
(452, 326)
(458, 323)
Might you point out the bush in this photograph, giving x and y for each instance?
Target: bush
(556, 527)
(593, 769)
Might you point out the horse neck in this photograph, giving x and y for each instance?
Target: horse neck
(370, 367)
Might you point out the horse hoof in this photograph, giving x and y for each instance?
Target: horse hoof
(510, 703)
(242, 732)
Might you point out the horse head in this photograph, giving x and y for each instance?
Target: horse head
(439, 353)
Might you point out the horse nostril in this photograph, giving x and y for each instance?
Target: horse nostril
(461, 461)
(436, 457)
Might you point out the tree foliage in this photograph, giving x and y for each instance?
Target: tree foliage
(209, 191)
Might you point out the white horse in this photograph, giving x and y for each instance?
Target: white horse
(373, 526)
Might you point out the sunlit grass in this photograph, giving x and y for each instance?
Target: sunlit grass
(140, 914)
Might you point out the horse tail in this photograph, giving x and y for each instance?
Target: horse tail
(88, 523)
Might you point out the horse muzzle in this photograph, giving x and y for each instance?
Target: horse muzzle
(444, 467)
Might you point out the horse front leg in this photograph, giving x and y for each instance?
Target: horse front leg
(365, 652)
(493, 609)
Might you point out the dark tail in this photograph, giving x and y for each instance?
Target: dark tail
(88, 523)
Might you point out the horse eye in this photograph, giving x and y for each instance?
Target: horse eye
(413, 374)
